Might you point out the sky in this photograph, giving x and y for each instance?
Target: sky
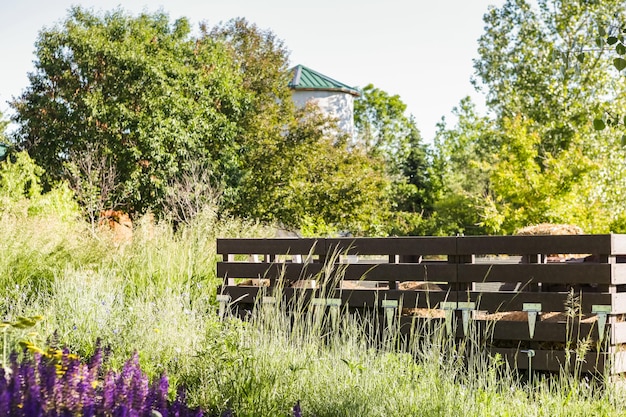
(420, 50)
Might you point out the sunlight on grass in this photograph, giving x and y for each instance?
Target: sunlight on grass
(156, 295)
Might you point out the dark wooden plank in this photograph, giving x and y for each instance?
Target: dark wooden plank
(544, 331)
(271, 246)
(288, 271)
(522, 245)
(550, 302)
(551, 360)
(398, 272)
(419, 299)
(242, 295)
(580, 273)
(413, 245)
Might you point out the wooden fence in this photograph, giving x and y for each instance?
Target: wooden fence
(534, 293)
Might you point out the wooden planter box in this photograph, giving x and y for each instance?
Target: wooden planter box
(542, 294)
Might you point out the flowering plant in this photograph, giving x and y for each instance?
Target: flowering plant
(45, 387)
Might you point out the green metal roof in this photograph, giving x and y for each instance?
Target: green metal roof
(306, 79)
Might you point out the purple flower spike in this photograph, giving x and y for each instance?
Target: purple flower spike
(4, 394)
(297, 411)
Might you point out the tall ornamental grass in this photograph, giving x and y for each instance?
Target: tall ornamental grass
(356, 367)
(155, 295)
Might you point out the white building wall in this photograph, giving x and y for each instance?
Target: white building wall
(333, 103)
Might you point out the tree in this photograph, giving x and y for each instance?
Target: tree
(384, 131)
(382, 128)
(312, 178)
(463, 155)
(525, 189)
(132, 109)
(545, 74)
(545, 64)
(141, 92)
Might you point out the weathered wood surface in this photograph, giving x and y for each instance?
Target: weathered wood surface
(498, 274)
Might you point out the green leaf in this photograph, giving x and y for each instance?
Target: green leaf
(598, 124)
(619, 63)
(602, 31)
(611, 40)
(581, 57)
(25, 322)
(623, 140)
(620, 49)
(600, 42)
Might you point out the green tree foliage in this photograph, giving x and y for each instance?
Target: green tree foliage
(461, 165)
(536, 157)
(4, 142)
(129, 109)
(383, 130)
(142, 90)
(21, 193)
(525, 189)
(546, 63)
(612, 38)
(311, 178)
(262, 61)
(3, 128)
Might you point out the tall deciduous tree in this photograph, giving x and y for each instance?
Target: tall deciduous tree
(545, 73)
(382, 127)
(312, 178)
(142, 91)
(463, 153)
(548, 64)
(130, 109)
(383, 130)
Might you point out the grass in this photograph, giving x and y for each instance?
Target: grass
(156, 296)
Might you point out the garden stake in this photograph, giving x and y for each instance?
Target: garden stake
(531, 355)
(448, 307)
(390, 307)
(532, 309)
(601, 311)
(223, 299)
(335, 305)
(466, 308)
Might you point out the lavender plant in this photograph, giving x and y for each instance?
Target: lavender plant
(40, 387)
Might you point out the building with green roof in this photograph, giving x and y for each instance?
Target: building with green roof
(334, 98)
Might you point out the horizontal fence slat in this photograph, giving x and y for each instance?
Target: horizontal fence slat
(495, 302)
(288, 271)
(544, 332)
(557, 273)
(398, 272)
(418, 245)
(522, 245)
(271, 246)
(551, 360)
